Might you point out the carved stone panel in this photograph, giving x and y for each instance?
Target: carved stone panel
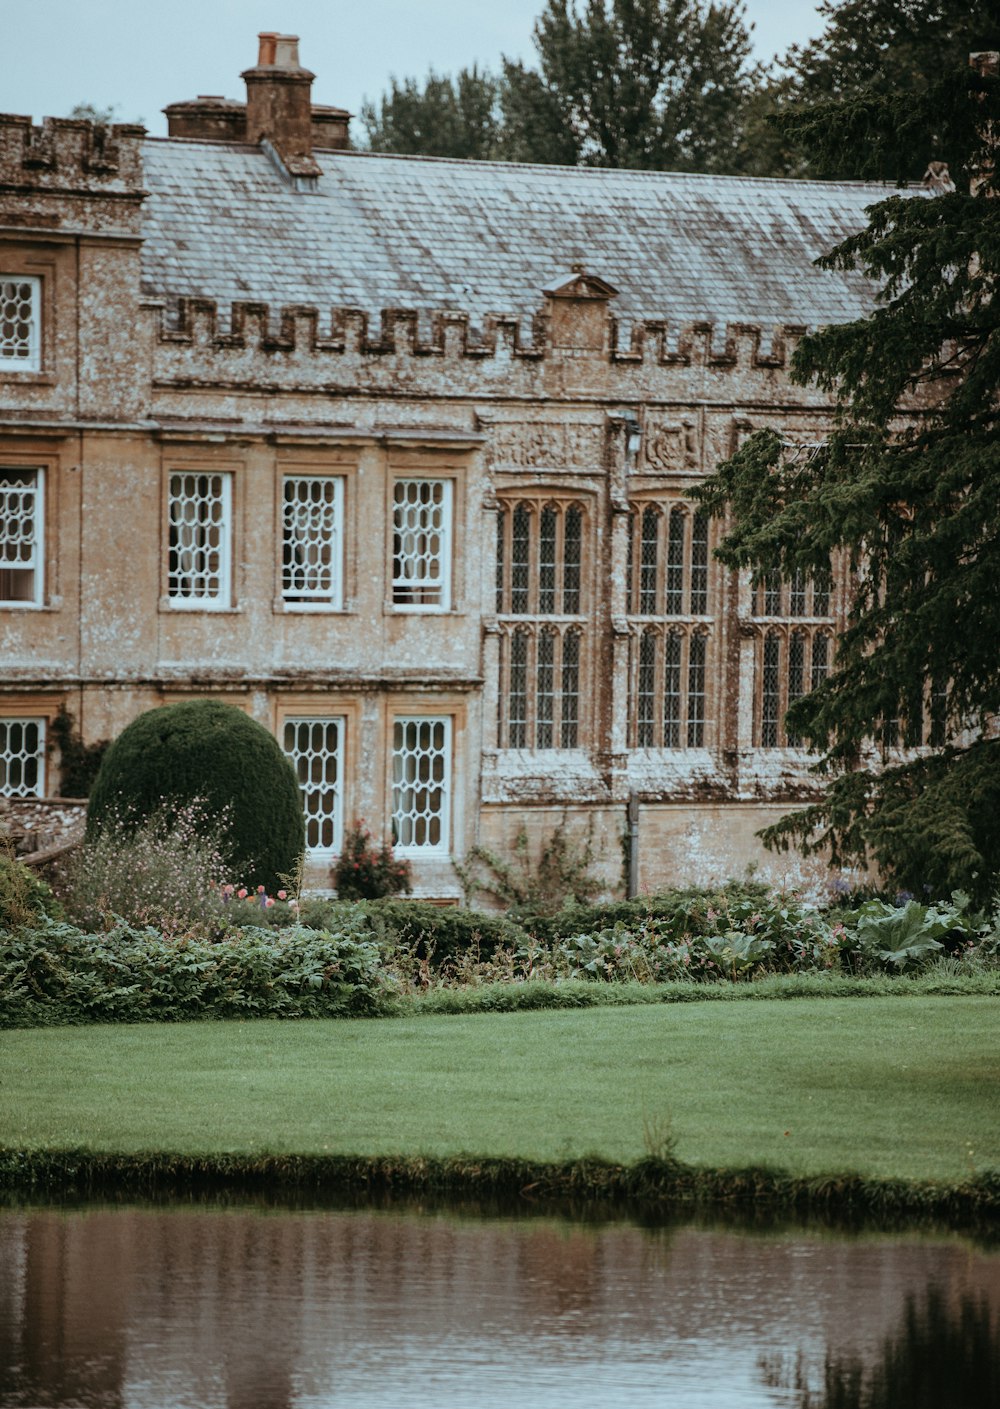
(672, 445)
(543, 445)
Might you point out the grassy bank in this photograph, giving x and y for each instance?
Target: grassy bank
(884, 1091)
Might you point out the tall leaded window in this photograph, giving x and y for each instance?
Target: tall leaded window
(421, 785)
(668, 603)
(421, 544)
(199, 517)
(315, 747)
(312, 514)
(22, 757)
(22, 541)
(540, 600)
(803, 595)
(20, 323)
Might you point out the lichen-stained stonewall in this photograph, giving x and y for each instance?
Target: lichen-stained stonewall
(395, 453)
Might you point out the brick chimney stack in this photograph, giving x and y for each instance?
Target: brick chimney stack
(279, 110)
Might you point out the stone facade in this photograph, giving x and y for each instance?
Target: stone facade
(394, 454)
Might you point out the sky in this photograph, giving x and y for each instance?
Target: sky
(139, 55)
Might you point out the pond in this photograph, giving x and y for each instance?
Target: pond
(261, 1307)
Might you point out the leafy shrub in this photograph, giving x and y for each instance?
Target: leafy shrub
(59, 974)
(211, 752)
(24, 897)
(431, 932)
(365, 872)
(166, 873)
(528, 888)
(682, 910)
(907, 936)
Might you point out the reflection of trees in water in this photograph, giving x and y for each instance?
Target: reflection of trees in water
(945, 1355)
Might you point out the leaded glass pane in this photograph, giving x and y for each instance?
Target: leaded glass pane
(21, 520)
(649, 563)
(572, 560)
(699, 564)
(199, 523)
(421, 552)
(22, 757)
(547, 562)
(672, 691)
(421, 784)
(675, 563)
(696, 691)
(520, 564)
(517, 695)
(771, 692)
(313, 745)
(569, 730)
(311, 518)
(545, 696)
(646, 692)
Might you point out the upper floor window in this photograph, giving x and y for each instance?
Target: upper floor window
(421, 544)
(315, 747)
(668, 561)
(421, 784)
(22, 757)
(200, 539)
(20, 324)
(312, 515)
(22, 519)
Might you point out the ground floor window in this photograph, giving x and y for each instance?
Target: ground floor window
(421, 784)
(669, 696)
(315, 747)
(22, 757)
(790, 665)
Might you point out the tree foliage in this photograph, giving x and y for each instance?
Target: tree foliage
(447, 117)
(869, 49)
(907, 489)
(211, 754)
(623, 83)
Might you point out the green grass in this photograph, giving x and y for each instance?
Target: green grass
(884, 1090)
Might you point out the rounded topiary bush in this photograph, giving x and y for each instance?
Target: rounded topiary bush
(213, 755)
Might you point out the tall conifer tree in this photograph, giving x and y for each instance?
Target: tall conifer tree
(906, 490)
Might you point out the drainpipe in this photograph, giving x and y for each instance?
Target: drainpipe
(633, 844)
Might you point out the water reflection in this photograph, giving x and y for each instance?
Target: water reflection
(247, 1309)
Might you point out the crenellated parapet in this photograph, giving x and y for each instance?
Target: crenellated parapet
(70, 173)
(300, 347)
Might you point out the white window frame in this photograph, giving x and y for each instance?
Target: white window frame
(40, 722)
(33, 361)
(442, 581)
(441, 847)
(205, 601)
(321, 853)
(37, 563)
(308, 600)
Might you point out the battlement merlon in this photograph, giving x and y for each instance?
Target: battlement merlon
(71, 174)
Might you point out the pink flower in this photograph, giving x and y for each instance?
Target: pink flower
(241, 894)
(260, 890)
(268, 902)
(282, 894)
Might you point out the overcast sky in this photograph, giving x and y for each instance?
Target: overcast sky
(142, 54)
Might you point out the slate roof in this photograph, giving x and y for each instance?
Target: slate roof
(485, 237)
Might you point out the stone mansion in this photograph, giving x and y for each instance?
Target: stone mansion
(394, 453)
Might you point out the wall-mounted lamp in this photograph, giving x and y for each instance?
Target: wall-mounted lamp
(633, 439)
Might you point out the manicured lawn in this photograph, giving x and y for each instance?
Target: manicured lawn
(908, 1089)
